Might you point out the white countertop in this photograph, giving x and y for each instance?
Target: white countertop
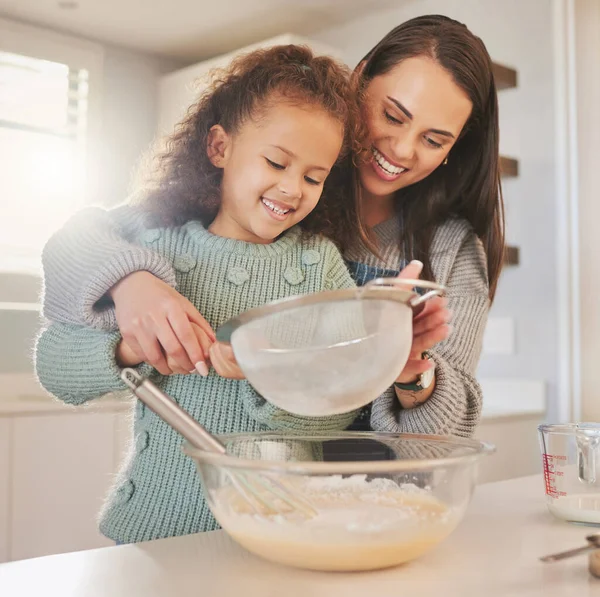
(494, 552)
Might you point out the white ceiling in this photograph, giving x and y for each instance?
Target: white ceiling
(188, 29)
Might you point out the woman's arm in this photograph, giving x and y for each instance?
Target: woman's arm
(96, 275)
(85, 258)
(454, 406)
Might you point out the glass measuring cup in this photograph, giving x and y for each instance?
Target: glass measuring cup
(571, 461)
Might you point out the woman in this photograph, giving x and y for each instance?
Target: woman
(429, 192)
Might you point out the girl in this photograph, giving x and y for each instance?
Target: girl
(231, 212)
(430, 191)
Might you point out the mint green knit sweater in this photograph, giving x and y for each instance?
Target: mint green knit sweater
(157, 493)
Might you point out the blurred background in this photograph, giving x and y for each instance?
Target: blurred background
(86, 86)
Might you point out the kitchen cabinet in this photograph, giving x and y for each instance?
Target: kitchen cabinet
(517, 450)
(4, 495)
(57, 464)
(62, 466)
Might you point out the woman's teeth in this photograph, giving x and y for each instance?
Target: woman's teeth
(274, 208)
(385, 165)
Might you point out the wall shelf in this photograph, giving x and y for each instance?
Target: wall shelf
(505, 77)
(511, 255)
(509, 167)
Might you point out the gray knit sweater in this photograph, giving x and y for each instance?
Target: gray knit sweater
(95, 249)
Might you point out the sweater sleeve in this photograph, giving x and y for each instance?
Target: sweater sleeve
(77, 364)
(89, 255)
(454, 408)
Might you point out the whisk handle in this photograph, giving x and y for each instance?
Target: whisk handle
(170, 412)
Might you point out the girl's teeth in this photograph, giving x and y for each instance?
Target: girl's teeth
(386, 165)
(274, 208)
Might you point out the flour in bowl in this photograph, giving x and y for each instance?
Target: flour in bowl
(360, 524)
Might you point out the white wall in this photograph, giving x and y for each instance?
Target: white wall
(129, 117)
(519, 34)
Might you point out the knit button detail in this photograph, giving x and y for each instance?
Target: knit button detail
(141, 441)
(329, 285)
(294, 275)
(184, 263)
(238, 275)
(151, 235)
(311, 257)
(125, 492)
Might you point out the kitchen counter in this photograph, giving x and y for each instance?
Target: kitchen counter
(494, 552)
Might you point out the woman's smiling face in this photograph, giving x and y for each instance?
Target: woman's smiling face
(414, 113)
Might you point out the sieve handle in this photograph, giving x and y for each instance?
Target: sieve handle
(170, 412)
(417, 302)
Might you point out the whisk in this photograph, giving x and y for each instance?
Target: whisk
(264, 495)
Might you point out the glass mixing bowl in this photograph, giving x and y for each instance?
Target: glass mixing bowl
(378, 499)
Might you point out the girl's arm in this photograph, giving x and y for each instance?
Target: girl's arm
(77, 364)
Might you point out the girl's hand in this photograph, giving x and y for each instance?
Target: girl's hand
(125, 356)
(430, 327)
(223, 361)
(156, 323)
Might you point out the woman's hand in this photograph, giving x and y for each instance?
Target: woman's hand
(156, 323)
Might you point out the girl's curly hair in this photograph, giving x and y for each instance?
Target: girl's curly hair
(182, 184)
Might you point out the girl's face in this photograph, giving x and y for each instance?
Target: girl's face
(274, 168)
(414, 114)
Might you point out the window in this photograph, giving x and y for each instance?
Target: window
(43, 107)
(49, 121)
(44, 133)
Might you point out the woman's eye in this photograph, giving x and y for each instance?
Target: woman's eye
(312, 181)
(275, 164)
(432, 143)
(391, 118)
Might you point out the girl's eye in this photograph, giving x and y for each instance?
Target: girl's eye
(391, 118)
(311, 181)
(432, 143)
(275, 164)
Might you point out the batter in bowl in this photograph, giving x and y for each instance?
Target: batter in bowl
(360, 525)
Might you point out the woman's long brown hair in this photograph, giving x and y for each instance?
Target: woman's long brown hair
(469, 185)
